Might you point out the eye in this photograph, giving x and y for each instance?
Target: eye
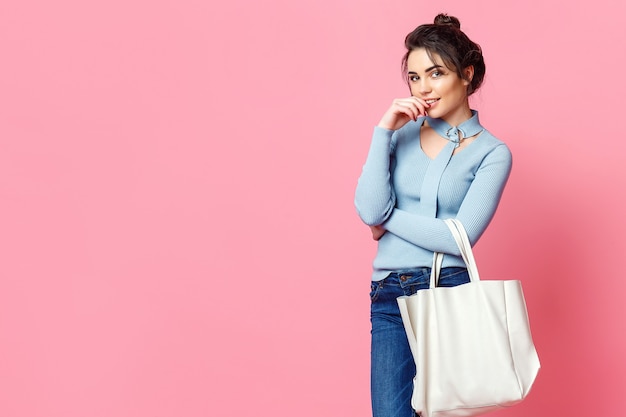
(413, 78)
(436, 74)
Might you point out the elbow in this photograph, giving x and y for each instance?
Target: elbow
(371, 220)
(373, 217)
(374, 211)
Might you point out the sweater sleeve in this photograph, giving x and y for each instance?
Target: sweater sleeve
(476, 211)
(375, 197)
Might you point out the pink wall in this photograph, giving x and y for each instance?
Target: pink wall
(177, 235)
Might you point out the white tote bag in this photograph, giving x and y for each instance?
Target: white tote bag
(471, 343)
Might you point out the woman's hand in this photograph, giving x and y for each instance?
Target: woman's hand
(403, 110)
(377, 232)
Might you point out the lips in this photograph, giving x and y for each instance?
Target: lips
(431, 100)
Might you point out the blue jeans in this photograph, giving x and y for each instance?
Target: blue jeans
(393, 367)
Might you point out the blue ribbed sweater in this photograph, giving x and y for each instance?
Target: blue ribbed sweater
(388, 193)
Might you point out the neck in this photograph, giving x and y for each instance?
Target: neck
(463, 114)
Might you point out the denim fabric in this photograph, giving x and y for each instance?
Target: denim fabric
(393, 367)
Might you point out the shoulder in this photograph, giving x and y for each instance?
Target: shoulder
(409, 132)
(489, 143)
(493, 152)
(412, 128)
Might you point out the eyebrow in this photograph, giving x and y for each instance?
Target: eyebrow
(427, 69)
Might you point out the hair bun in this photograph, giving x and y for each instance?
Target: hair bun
(444, 19)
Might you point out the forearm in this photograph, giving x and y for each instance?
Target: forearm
(475, 212)
(426, 232)
(375, 197)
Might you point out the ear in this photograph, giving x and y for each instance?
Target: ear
(468, 75)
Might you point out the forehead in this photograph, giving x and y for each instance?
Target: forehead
(419, 60)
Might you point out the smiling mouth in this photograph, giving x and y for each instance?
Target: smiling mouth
(432, 101)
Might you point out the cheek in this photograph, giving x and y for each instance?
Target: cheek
(458, 89)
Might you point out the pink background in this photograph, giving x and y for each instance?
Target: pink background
(177, 233)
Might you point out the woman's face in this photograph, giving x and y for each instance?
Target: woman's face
(441, 87)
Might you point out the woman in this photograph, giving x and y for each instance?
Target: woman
(430, 159)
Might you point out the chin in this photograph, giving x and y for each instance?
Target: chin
(435, 114)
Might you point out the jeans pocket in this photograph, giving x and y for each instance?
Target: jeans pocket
(375, 290)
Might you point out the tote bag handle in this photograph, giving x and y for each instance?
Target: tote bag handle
(465, 247)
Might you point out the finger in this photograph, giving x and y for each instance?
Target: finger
(421, 104)
(411, 111)
(409, 108)
(417, 105)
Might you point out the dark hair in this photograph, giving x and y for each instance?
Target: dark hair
(445, 38)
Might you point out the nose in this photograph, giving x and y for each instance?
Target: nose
(423, 87)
